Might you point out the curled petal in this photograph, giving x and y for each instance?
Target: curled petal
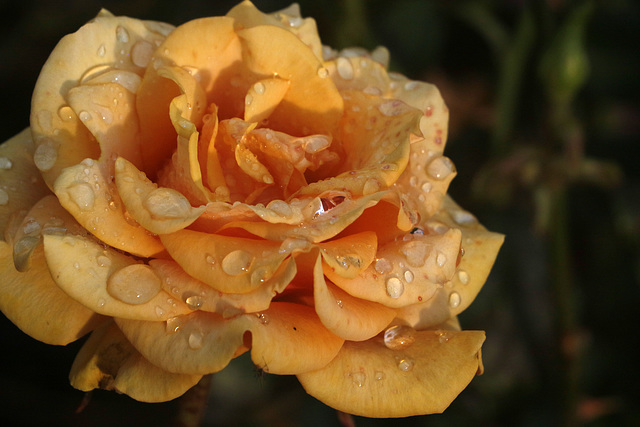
(263, 98)
(359, 73)
(369, 379)
(350, 255)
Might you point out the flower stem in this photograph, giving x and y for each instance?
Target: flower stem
(193, 404)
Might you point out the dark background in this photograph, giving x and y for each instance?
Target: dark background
(547, 157)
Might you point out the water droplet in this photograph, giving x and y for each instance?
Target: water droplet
(248, 99)
(45, 156)
(426, 187)
(463, 276)
(167, 203)
(159, 311)
(463, 217)
(415, 252)
(103, 261)
(443, 336)
(173, 325)
(440, 168)
(259, 88)
(391, 108)
(32, 227)
(410, 85)
(84, 116)
(4, 197)
(82, 195)
(454, 300)
(323, 72)
(405, 364)
(5, 163)
(209, 259)
(408, 276)
(102, 50)
(237, 262)
(340, 303)
(22, 250)
(66, 114)
(358, 378)
(122, 34)
(194, 302)
(263, 318)
(141, 53)
(395, 287)
(134, 284)
(441, 259)
(345, 69)
(196, 340)
(295, 21)
(280, 207)
(315, 143)
(399, 336)
(379, 375)
(383, 266)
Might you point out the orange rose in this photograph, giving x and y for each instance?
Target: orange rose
(231, 185)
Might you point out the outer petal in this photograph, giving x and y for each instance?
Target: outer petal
(368, 379)
(107, 360)
(33, 301)
(18, 170)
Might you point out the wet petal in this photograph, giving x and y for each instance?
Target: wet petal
(85, 191)
(263, 98)
(196, 343)
(159, 210)
(351, 254)
(17, 171)
(107, 281)
(289, 339)
(358, 73)
(104, 40)
(32, 299)
(108, 361)
(349, 318)
(369, 379)
(228, 264)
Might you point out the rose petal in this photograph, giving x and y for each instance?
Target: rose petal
(263, 98)
(32, 299)
(159, 210)
(358, 73)
(349, 318)
(405, 272)
(228, 264)
(104, 40)
(108, 361)
(209, 158)
(290, 339)
(312, 105)
(369, 379)
(200, 296)
(350, 255)
(93, 200)
(18, 170)
(196, 343)
(84, 270)
(480, 251)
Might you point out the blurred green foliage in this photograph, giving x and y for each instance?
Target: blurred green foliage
(545, 120)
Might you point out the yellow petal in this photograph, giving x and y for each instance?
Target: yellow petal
(107, 281)
(369, 379)
(208, 154)
(108, 361)
(349, 318)
(197, 343)
(480, 250)
(290, 339)
(159, 210)
(263, 98)
(350, 255)
(85, 191)
(18, 172)
(312, 105)
(228, 264)
(34, 302)
(58, 132)
(358, 73)
(405, 272)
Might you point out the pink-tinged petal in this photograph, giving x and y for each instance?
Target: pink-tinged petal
(61, 138)
(158, 209)
(350, 318)
(86, 191)
(108, 361)
(196, 343)
(34, 302)
(290, 339)
(369, 379)
(17, 173)
(405, 272)
(108, 281)
(350, 255)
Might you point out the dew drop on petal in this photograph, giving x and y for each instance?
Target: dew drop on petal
(398, 337)
(383, 266)
(84, 116)
(263, 318)
(345, 69)
(426, 187)
(463, 276)
(440, 168)
(167, 203)
(45, 156)
(134, 284)
(4, 197)
(340, 303)
(408, 276)
(248, 99)
(410, 85)
(280, 207)
(379, 375)
(102, 50)
(5, 163)
(323, 72)
(82, 195)
(65, 113)
(196, 340)
(122, 34)
(454, 300)
(416, 253)
(358, 378)
(441, 259)
(405, 364)
(463, 217)
(209, 259)
(173, 325)
(22, 250)
(395, 287)
(259, 88)
(237, 262)
(443, 337)
(141, 53)
(103, 261)
(194, 302)
(391, 108)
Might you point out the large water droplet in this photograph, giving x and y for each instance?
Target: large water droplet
(345, 69)
(194, 302)
(45, 156)
(82, 195)
(122, 34)
(196, 340)
(395, 287)
(383, 266)
(399, 336)
(408, 276)
(167, 203)
(237, 262)
(415, 253)
(440, 168)
(454, 300)
(141, 53)
(134, 284)
(5, 163)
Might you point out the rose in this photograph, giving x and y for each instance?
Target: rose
(229, 185)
